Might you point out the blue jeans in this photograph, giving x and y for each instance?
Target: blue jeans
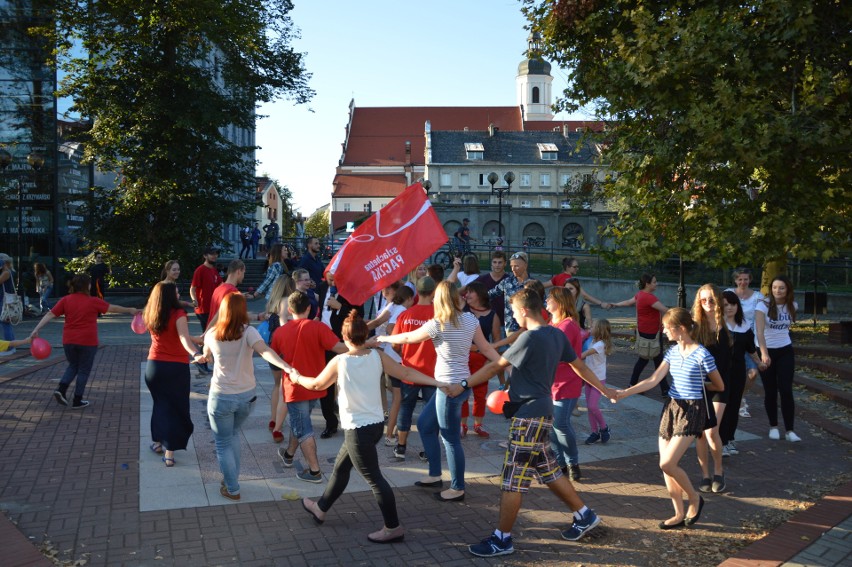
(227, 413)
(299, 416)
(8, 332)
(43, 297)
(443, 414)
(80, 358)
(564, 440)
(409, 402)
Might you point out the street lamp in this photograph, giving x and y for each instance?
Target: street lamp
(426, 186)
(500, 191)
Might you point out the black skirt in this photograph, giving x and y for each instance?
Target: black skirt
(171, 423)
(683, 417)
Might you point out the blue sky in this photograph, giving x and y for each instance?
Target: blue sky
(386, 53)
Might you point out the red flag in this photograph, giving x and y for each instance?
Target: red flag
(387, 246)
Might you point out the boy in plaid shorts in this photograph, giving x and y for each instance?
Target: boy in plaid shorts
(534, 356)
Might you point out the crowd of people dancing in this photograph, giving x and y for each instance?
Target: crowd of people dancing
(441, 339)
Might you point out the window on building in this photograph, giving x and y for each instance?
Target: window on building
(464, 180)
(544, 180)
(368, 207)
(526, 180)
(565, 205)
(484, 201)
(548, 151)
(465, 201)
(347, 207)
(545, 203)
(483, 180)
(526, 204)
(564, 179)
(446, 179)
(535, 95)
(446, 200)
(474, 151)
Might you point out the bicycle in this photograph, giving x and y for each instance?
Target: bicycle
(445, 257)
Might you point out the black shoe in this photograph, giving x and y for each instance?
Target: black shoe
(79, 404)
(706, 485)
(435, 484)
(690, 520)
(328, 433)
(665, 526)
(574, 472)
(423, 457)
(60, 397)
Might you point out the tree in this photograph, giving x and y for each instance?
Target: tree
(728, 123)
(318, 223)
(162, 82)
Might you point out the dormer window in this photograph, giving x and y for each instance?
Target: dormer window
(548, 151)
(474, 151)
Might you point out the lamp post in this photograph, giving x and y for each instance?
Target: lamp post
(426, 186)
(500, 191)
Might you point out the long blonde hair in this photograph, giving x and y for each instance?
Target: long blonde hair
(446, 304)
(602, 331)
(281, 290)
(703, 333)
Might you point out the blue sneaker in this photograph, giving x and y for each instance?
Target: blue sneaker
(582, 526)
(593, 438)
(605, 433)
(492, 546)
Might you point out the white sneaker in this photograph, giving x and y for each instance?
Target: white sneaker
(792, 437)
(732, 448)
(725, 452)
(773, 434)
(744, 411)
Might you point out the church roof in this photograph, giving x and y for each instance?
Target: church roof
(378, 134)
(368, 185)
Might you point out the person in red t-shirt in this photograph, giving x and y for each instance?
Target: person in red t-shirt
(570, 268)
(204, 281)
(649, 311)
(79, 336)
(420, 356)
(302, 343)
(236, 274)
(167, 371)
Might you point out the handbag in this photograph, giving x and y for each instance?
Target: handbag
(647, 348)
(13, 307)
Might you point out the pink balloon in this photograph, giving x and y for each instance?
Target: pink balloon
(138, 325)
(495, 401)
(40, 348)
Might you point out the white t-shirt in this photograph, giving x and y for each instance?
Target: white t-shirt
(453, 347)
(382, 330)
(749, 305)
(465, 279)
(233, 369)
(776, 332)
(597, 362)
(359, 380)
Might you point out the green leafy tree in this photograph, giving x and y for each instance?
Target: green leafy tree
(162, 82)
(728, 123)
(317, 224)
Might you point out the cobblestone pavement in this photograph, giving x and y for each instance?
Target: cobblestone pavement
(71, 483)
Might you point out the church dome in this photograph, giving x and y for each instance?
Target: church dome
(534, 67)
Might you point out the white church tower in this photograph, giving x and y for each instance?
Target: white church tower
(534, 83)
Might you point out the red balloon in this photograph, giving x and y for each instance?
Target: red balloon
(496, 399)
(138, 325)
(40, 348)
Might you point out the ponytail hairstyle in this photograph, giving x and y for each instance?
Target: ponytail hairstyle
(679, 317)
(645, 280)
(355, 329)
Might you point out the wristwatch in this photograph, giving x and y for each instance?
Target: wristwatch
(464, 384)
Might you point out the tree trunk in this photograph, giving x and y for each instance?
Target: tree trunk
(773, 267)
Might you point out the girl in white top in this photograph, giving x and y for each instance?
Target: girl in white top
(452, 331)
(595, 359)
(749, 300)
(231, 343)
(358, 374)
(772, 322)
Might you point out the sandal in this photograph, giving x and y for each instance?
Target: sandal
(169, 462)
(157, 447)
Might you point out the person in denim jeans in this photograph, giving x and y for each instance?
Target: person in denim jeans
(231, 342)
(452, 331)
(79, 335)
(357, 373)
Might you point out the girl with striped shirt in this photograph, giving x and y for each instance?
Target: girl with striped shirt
(685, 412)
